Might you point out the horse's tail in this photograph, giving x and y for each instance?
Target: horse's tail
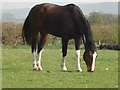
(26, 32)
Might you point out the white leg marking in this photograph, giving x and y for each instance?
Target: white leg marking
(34, 61)
(39, 61)
(93, 63)
(78, 68)
(63, 64)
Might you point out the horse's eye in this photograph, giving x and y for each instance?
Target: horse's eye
(91, 53)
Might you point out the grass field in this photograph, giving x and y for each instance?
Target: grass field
(17, 70)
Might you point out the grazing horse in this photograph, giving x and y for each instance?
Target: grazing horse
(67, 22)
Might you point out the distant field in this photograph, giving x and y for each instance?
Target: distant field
(17, 70)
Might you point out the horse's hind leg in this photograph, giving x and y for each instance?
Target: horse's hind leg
(33, 46)
(40, 47)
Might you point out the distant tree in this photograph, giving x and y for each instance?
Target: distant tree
(94, 18)
(102, 18)
(109, 19)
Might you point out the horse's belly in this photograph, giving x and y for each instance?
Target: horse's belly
(61, 34)
(54, 32)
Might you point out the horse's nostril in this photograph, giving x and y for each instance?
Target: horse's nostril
(90, 71)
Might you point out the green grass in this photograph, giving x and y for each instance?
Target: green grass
(17, 70)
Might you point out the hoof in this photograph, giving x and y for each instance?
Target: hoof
(35, 69)
(64, 68)
(40, 69)
(79, 70)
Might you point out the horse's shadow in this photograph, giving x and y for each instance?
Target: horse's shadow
(67, 71)
(48, 71)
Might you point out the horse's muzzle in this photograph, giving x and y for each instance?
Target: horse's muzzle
(90, 71)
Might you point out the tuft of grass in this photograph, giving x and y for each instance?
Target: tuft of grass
(17, 70)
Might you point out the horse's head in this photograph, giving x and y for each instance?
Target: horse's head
(89, 56)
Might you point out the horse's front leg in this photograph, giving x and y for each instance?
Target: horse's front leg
(78, 67)
(77, 46)
(64, 53)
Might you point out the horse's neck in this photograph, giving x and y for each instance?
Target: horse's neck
(87, 31)
(88, 37)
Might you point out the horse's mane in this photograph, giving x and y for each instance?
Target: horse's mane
(81, 22)
(83, 26)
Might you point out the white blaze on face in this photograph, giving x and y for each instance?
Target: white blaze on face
(93, 63)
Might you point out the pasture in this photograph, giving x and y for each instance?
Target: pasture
(17, 70)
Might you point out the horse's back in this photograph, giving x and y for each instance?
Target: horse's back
(58, 21)
(37, 14)
(54, 19)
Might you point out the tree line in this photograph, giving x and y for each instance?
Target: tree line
(100, 18)
(104, 27)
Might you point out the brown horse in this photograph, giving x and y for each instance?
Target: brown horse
(67, 22)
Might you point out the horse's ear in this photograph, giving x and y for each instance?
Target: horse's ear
(91, 53)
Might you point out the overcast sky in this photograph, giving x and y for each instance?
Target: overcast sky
(6, 4)
(17, 5)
